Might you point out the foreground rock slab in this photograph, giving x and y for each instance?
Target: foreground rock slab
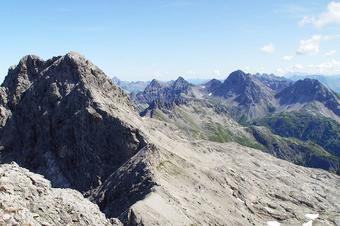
(28, 199)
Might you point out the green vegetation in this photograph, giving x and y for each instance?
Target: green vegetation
(221, 134)
(305, 153)
(318, 129)
(168, 167)
(218, 133)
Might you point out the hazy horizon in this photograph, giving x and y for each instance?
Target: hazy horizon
(165, 39)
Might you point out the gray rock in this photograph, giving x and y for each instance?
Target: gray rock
(29, 199)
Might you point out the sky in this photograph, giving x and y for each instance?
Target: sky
(163, 39)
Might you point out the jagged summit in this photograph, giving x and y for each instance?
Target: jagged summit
(63, 114)
(245, 89)
(309, 90)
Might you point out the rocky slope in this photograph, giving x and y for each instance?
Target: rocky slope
(28, 199)
(207, 183)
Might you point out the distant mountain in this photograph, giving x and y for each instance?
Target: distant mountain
(274, 82)
(130, 87)
(165, 94)
(197, 81)
(246, 93)
(208, 109)
(308, 91)
(212, 85)
(333, 82)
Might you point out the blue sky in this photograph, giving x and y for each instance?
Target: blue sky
(140, 40)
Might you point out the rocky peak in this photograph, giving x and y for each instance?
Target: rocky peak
(309, 90)
(238, 76)
(245, 87)
(69, 122)
(212, 85)
(154, 84)
(180, 83)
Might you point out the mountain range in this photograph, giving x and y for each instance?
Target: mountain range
(305, 111)
(173, 154)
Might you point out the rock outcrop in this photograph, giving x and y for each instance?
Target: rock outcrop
(28, 199)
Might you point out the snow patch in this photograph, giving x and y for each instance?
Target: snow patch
(240, 200)
(312, 216)
(309, 223)
(273, 223)
(210, 94)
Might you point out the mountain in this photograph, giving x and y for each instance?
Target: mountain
(308, 91)
(65, 119)
(333, 82)
(28, 199)
(243, 97)
(164, 94)
(247, 94)
(212, 85)
(64, 114)
(321, 130)
(130, 86)
(274, 82)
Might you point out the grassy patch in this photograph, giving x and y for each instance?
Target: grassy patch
(168, 168)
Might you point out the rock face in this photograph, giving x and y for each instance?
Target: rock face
(28, 199)
(63, 121)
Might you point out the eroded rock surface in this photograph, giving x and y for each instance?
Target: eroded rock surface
(28, 199)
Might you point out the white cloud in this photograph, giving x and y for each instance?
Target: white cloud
(217, 72)
(287, 58)
(280, 71)
(309, 46)
(331, 16)
(329, 67)
(269, 48)
(298, 67)
(330, 53)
